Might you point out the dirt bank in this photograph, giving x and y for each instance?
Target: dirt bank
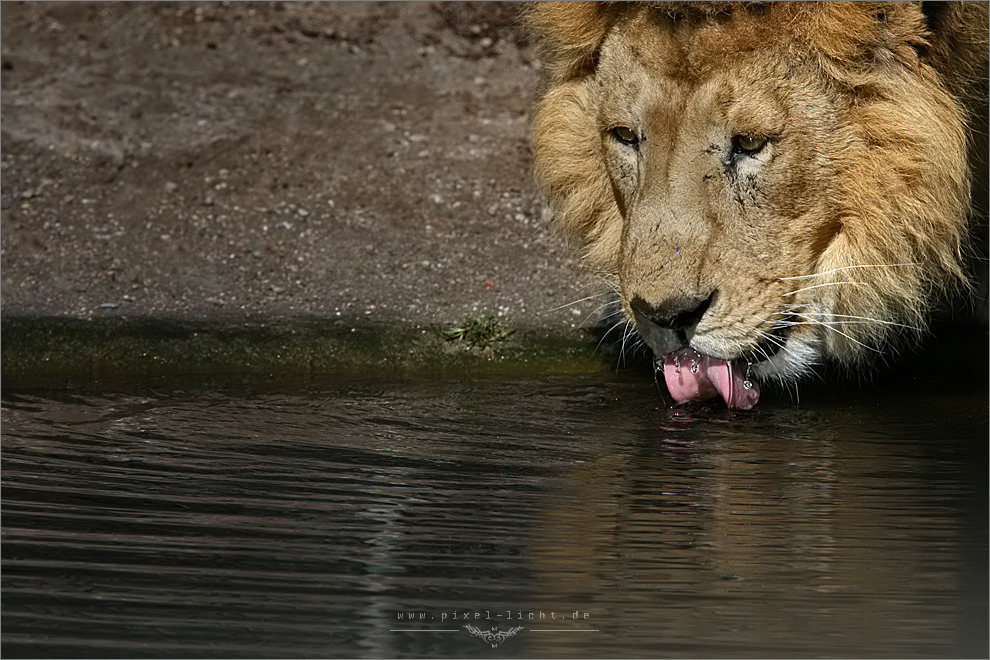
(226, 161)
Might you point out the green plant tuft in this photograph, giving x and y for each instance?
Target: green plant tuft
(478, 331)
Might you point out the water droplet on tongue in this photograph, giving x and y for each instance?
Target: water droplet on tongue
(748, 385)
(677, 365)
(694, 366)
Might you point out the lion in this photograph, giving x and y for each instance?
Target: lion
(767, 186)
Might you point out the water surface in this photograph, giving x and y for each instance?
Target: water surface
(232, 519)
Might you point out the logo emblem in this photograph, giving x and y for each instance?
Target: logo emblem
(493, 636)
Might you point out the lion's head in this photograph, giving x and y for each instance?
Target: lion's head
(766, 184)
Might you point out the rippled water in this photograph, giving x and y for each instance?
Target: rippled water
(231, 519)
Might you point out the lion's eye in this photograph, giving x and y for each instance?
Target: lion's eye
(749, 144)
(626, 135)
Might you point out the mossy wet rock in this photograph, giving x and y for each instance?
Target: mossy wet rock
(47, 349)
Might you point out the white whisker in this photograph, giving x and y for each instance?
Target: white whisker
(629, 331)
(581, 300)
(842, 323)
(772, 338)
(860, 319)
(831, 326)
(836, 270)
(817, 286)
(619, 324)
(617, 312)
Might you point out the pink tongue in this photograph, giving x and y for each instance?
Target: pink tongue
(692, 376)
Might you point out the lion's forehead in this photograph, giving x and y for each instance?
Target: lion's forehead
(695, 49)
(747, 93)
(687, 39)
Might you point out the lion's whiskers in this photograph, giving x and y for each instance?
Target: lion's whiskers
(758, 349)
(818, 286)
(629, 330)
(831, 325)
(618, 324)
(610, 310)
(836, 270)
(855, 320)
(579, 300)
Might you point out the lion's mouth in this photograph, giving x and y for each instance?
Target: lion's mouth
(694, 376)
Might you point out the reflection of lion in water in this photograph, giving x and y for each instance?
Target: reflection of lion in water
(767, 184)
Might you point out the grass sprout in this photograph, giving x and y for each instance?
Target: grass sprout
(482, 331)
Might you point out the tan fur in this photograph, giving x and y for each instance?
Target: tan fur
(844, 228)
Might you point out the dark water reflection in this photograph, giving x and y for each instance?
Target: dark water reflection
(236, 521)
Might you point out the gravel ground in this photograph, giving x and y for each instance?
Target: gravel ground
(219, 161)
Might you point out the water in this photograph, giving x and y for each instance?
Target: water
(232, 519)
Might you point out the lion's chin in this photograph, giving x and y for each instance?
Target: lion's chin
(693, 376)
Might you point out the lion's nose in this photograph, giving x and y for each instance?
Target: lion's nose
(677, 314)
